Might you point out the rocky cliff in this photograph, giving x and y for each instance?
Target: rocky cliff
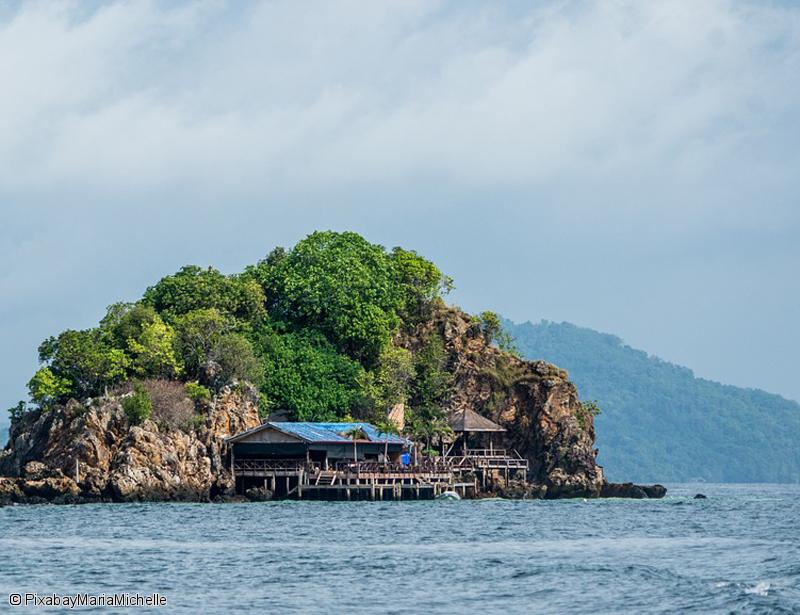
(81, 452)
(533, 400)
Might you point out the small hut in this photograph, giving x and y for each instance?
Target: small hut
(465, 422)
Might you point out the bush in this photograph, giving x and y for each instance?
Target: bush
(138, 406)
(171, 405)
(197, 392)
(196, 422)
(18, 411)
(587, 410)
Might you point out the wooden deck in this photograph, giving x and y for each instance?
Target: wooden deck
(365, 480)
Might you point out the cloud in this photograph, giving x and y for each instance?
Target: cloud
(632, 152)
(141, 96)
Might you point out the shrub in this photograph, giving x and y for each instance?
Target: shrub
(197, 392)
(18, 411)
(171, 405)
(587, 410)
(138, 406)
(196, 422)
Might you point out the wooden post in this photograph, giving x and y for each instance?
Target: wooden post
(233, 469)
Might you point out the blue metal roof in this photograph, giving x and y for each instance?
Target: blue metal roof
(334, 432)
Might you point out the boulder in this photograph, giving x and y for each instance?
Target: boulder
(629, 490)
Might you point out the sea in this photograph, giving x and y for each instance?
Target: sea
(737, 551)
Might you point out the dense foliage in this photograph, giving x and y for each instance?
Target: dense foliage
(312, 327)
(661, 423)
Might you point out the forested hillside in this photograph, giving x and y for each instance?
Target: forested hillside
(659, 422)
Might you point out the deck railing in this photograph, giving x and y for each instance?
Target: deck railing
(273, 465)
(426, 465)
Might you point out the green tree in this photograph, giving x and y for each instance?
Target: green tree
(429, 389)
(490, 325)
(15, 413)
(46, 388)
(344, 286)
(138, 406)
(233, 354)
(386, 385)
(306, 375)
(148, 340)
(193, 288)
(153, 353)
(197, 334)
(85, 360)
(421, 282)
(493, 331)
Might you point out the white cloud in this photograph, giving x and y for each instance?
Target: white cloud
(140, 95)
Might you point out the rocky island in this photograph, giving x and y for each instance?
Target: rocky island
(334, 329)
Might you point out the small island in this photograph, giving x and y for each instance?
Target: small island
(332, 370)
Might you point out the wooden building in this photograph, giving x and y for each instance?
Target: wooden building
(316, 459)
(358, 461)
(473, 449)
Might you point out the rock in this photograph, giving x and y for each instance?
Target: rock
(50, 488)
(622, 490)
(10, 492)
(118, 461)
(258, 494)
(35, 470)
(533, 400)
(520, 490)
(629, 490)
(700, 496)
(654, 491)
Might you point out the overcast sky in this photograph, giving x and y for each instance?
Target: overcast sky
(629, 166)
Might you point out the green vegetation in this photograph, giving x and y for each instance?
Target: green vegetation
(311, 327)
(138, 406)
(197, 392)
(660, 422)
(587, 410)
(493, 331)
(428, 391)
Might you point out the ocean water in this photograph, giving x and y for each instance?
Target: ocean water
(737, 551)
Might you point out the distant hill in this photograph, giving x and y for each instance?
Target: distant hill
(661, 423)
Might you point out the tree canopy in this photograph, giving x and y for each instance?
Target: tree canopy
(311, 326)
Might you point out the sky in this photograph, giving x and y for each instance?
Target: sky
(626, 166)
